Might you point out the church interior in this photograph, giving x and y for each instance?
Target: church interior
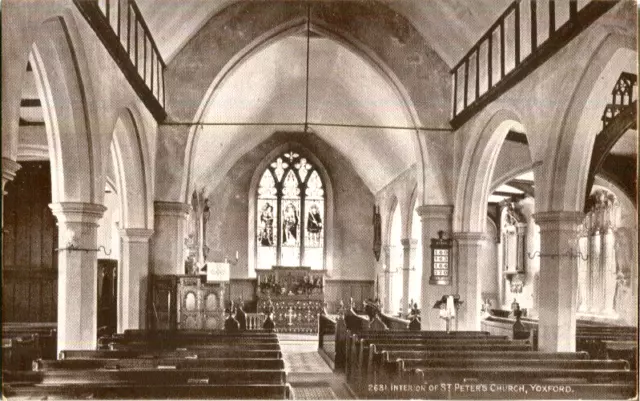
(309, 199)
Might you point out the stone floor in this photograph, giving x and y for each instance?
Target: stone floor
(309, 375)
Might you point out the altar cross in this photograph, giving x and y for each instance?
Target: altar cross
(290, 315)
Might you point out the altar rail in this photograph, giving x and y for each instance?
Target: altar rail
(255, 321)
(523, 37)
(122, 30)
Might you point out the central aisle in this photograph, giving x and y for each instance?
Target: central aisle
(310, 377)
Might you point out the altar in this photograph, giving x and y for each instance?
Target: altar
(296, 294)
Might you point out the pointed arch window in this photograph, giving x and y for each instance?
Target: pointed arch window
(290, 214)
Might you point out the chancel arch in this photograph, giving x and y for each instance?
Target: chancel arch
(264, 37)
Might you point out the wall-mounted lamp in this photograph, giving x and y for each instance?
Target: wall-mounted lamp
(74, 247)
(570, 254)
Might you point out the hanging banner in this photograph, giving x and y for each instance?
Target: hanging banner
(377, 233)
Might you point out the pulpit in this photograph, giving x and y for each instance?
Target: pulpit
(187, 302)
(297, 294)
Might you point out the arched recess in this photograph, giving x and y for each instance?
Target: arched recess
(273, 35)
(329, 205)
(74, 149)
(131, 162)
(568, 170)
(478, 164)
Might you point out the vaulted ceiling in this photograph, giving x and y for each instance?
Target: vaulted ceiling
(450, 26)
(270, 88)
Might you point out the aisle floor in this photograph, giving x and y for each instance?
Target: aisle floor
(309, 375)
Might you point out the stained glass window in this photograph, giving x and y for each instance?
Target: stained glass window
(290, 215)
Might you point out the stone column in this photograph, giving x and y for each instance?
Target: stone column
(77, 273)
(583, 276)
(471, 264)
(408, 255)
(133, 278)
(167, 242)
(386, 276)
(609, 271)
(595, 299)
(9, 170)
(434, 218)
(558, 280)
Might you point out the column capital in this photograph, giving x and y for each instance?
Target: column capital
(409, 243)
(435, 211)
(468, 238)
(558, 220)
(177, 209)
(136, 234)
(9, 169)
(77, 212)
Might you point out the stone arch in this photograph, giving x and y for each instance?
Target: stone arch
(132, 164)
(70, 116)
(329, 205)
(285, 27)
(392, 204)
(411, 211)
(509, 175)
(478, 164)
(569, 167)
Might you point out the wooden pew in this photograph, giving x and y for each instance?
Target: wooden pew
(210, 365)
(404, 365)
(183, 353)
(144, 376)
(383, 361)
(589, 335)
(44, 336)
(327, 339)
(359, 346)
(362, 351)
(627, 350)
(19, 352)
(197, 346)
(585, 378)
(351, 339)
(159, 363)
(157, 391)
(362, 354)
(523, 374)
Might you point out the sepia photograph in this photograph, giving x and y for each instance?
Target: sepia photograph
(319, 199)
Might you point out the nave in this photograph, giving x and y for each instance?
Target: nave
(465, 168)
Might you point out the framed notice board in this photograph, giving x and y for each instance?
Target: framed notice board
(441, 260)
